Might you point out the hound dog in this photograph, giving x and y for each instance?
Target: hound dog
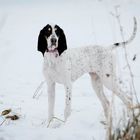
(62, 65)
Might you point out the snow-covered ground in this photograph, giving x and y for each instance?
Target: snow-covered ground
(84, 22)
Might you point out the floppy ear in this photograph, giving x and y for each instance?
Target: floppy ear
(62, 44)
(42, 43)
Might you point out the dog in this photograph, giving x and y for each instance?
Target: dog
(64, 66)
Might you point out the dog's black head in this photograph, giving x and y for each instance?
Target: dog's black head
(51, 39)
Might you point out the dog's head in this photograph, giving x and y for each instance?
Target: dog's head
(51, 39)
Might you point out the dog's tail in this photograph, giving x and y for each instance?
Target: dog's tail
(130, 39)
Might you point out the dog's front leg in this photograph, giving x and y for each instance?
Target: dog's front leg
(68, 91)
(51, 101)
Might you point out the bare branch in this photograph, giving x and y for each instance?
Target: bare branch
(117, 16)
(38, 89)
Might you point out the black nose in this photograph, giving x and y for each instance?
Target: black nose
(53, 40)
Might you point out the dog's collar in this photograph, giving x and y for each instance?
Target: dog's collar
(55, 51)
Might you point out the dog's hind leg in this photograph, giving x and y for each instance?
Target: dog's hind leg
(98, 87)
(112, 84)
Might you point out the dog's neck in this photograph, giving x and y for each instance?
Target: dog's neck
(51, 58)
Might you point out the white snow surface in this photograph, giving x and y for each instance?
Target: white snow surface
(84, 22)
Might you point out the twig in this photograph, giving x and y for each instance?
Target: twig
(49, 123)
(2, 122)
(56, 119)
(38, 89)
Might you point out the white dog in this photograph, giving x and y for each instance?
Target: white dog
(64, 66)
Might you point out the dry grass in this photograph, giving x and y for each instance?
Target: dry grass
(131, 130)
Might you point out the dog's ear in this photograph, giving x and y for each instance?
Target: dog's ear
(62, 44)
(42, 43)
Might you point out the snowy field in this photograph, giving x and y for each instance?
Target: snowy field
(84, 22)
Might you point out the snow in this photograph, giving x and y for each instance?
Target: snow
(84, 22)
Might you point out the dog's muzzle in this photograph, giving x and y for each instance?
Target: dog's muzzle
(53, 41)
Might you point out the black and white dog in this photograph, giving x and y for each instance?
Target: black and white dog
(64, 66)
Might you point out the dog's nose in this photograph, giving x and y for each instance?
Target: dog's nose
(53, 40)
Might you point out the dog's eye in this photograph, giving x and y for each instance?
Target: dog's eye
(49, 29)
(56, 31)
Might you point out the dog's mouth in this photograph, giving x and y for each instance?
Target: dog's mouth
(52, 48)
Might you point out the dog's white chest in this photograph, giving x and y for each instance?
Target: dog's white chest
(54, 68)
